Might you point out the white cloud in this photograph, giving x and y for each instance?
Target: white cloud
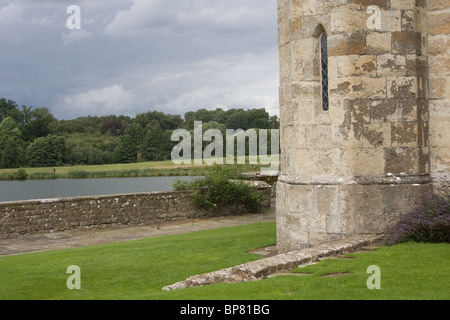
(10, 13)
(247, 81)
(141, 16)
(75, 35)
(188, 16)
(108, 100)
(135, 55)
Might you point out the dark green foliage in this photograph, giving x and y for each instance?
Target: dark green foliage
(21, 174)
(157, 145)
(12, 154)
(114, 125)
(95, 140)
(11, 144)
(39, 124)
(47, 151)
(220, 187)
(8, 108)
(238, 120)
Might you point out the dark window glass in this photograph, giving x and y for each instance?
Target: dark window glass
(324, 65)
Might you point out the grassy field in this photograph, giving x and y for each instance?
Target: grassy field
(141, 169)
(139, 269)
(95, 168)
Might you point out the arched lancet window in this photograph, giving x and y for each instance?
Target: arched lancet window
(324, 70)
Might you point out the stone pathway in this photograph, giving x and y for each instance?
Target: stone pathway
(277, 264)
(75, 239)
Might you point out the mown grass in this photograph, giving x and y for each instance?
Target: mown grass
(139, 269)
(130, 270)
(141, 169)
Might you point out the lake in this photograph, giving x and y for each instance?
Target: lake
(45, 189)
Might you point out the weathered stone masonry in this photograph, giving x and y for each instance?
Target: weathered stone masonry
(355, 168)
(56, 215)
(100, 212)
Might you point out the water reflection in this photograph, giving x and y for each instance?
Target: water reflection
(44, 189)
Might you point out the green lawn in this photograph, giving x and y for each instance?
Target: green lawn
(141, 169)
(95, 168)
(139, 269)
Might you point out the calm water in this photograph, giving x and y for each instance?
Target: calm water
(45, 189)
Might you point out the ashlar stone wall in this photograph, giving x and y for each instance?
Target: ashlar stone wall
(355, 168)
(438, 50)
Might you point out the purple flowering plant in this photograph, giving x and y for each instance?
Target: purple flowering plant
(429, 221)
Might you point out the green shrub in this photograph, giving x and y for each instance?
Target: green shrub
(220, 187)
(21, 174)
(7, 176)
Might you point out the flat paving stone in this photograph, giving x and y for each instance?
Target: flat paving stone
(76, 239)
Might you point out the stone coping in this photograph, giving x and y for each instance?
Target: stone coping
(281, 263)
(388, 179)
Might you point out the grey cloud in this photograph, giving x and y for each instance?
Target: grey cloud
(132, 56)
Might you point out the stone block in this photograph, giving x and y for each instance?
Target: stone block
(378, 224)
(318, 136)
(439, 159)
(328, 162)
(391, 65)
(305, 90)
(397, 199)
(353, 43)
(438, 4)
(363, 162)
(302, 162)
(283, 34)
(344, 137)
(439, 109)
(304, 59)
(416, 66)
(404, 134)
(438, 87)
(391, 21)
(356, 65)
(402, 88)
(346, 88)
(402, 161)
(305, 112)
(344, 21)
(373, 88)
(406, 43)
(337, 112)
(359, 200)
(304, 7)
(358, 111)
(378, 42)
(326, 198)
(439, 131)
(438, 44)
(402, 4)
(438, 23)
(387, 110)
(376, 135)
(383, 4)
(439, 65)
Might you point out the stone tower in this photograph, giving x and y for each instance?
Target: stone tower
(365, 114)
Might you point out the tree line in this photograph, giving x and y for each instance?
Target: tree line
(33, 137)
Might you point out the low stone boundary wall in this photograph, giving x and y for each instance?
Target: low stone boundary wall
(101, 212)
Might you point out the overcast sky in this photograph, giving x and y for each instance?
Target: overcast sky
(133, 56)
